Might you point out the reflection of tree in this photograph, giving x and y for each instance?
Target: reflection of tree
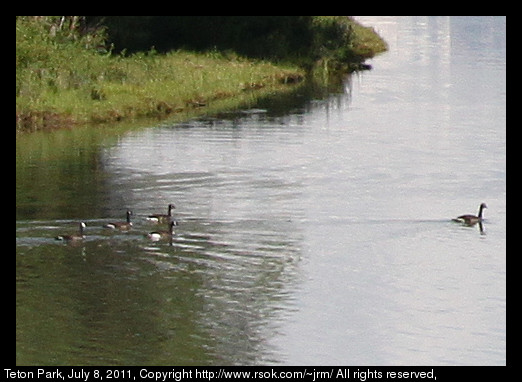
(212, 297)
(58, 175)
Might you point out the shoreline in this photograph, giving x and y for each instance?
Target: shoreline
(244, 82)
(65, 85)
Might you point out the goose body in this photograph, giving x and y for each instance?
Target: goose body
(472, 219)
(73, 237)
(158, 235)
(121, 225)
(161, 218)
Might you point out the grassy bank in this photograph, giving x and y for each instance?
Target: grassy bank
(113, 89)
(66, 77)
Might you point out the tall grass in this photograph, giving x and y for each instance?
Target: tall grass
(65, 76)
(65, 82)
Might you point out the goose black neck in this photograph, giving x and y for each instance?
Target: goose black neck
(480, 211)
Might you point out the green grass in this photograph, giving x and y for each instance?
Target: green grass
(116, 88)
(342, 44)
(64, 78)
(366, 43)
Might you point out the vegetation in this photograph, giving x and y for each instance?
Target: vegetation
(77, 69)
(295, 38)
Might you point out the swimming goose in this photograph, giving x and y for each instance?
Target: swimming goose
(160, 218)
(74, 237)
(121, 225)
(471, 219)
(158, 235)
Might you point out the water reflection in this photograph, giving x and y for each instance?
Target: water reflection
(312, 231)
(210, 296)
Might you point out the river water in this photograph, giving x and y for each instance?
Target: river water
(312, 231)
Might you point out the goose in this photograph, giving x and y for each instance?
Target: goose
(121, 225)
(471, 219)
(73, 237)
(158, 235)
(160, 218)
